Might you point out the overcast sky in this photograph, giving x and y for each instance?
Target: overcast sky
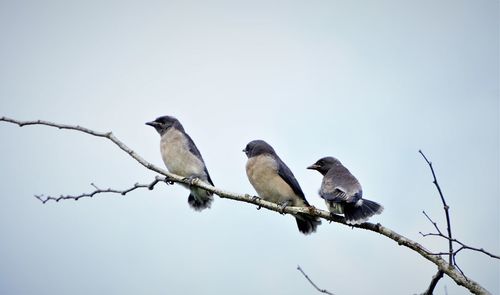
(369, 82)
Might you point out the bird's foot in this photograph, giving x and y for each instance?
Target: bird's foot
(312, 209)
(255, 199)
(282, 206)
(191, 179)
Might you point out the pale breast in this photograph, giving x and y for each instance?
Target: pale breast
(262, 172)
(177, 157)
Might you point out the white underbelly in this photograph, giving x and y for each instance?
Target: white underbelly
(268, 183)
(178, 159)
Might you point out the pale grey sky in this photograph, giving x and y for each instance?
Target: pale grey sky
(368, 82)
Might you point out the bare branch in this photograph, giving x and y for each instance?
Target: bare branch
(445, 207)
(475, 249)
(97, 190)
(433, 223)
(463, 246)
(451, 253)
(108, 135)
(442, 265)
(312, 283)
(433, 283)
(439, 274)
(453, 240)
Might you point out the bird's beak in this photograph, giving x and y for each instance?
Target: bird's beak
(152, 123)
(243, 150)
(313, 167)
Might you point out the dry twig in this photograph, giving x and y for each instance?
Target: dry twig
(312, 283)
(98, 190)
(451, 253)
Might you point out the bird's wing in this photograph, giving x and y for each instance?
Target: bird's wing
(194, 150)
(286, 174)
(337, 191)
(192, 147)
(208, 177)
(336, 194)
(339, 185)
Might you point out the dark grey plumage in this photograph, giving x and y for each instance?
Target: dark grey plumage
(274, 182)
(182, 157)
(342, 192)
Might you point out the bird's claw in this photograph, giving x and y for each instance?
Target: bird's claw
(191, 179)
(282, 206)
(255, 199)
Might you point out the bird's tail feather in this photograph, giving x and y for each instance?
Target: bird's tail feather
(361, 211)
(306, 223)
(200, 199)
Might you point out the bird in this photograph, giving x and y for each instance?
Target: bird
(275, 182)
(342, 192)
(182, 157)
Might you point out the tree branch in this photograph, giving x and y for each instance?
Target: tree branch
(433, 283)
(312, 283)
(463, 246)
(451, 253)
(442, 265)
(445, 207)
(97, 190)
(439, 274)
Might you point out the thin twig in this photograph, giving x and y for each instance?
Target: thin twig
(312, 283)
(433, 223)
(445, 207)
(451, 253)
(439, 274)
(98, 190)
(433, 283)
(463, 246)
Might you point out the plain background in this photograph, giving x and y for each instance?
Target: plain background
(369, 82)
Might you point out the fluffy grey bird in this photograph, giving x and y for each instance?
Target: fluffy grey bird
(274, 182)
(181, 157)
(342, 192)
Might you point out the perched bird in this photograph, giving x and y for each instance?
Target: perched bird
(181, 157)
(342, 192)
(274, 182)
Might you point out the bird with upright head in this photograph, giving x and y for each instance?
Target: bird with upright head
(182, 157)
(342, 192)
(274, 182)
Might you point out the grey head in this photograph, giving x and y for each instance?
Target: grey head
(164, 123)
(325, 164)
(258, 147)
